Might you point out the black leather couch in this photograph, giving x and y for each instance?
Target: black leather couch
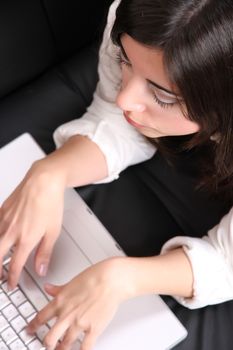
(47, 76)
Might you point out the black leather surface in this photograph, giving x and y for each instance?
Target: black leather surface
(37, 34)
(26, 44)
(41, 106)
(75, 23)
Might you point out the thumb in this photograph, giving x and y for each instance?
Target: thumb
(43, 254)
(51, 289)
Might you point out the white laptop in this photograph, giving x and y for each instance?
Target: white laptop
(141, 323)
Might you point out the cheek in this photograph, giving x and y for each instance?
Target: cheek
(182, 126)
(170, 121)
(192, 127)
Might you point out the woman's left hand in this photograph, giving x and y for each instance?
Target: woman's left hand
(85, 305)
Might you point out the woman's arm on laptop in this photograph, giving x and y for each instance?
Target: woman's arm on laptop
(32, 214)
(87, 303)
(78, 162)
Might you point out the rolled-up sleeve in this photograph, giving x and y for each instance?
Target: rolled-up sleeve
(121, 144)
(211, 259)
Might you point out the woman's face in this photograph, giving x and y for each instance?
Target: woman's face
(147, 97)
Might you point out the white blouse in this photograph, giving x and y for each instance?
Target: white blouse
(210, 256)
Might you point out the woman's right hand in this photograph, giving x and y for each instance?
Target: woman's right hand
(30, 216)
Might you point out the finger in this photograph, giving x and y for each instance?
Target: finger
(46, 314)
(44, 252)
(89, 340)
(72, 334)
(6, 217)
(51, 289)
(3, 224)
(18, 260)
(5, 246)
(6, 223)
(57, 331)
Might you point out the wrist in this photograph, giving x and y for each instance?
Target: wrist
(123, 274)
(44, 173)
(115, 272)
(78, 162)
(169, 274)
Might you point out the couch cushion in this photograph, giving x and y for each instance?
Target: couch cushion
(75, 23)
(54, 98)
(26, 43)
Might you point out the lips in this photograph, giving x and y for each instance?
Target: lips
(130, 121)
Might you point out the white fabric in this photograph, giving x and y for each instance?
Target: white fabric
(104, 123)
(211, 257)
(212, 263)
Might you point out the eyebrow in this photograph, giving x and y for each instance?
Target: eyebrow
(148, 80)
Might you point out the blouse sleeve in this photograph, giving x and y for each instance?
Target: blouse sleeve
(103, 123)
(212, 264)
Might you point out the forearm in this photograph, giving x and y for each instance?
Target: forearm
(78, 162)
(169, 274)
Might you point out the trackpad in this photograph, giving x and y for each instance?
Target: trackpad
(67, 261)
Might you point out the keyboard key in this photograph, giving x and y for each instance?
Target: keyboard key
(5, 288)
(36, 345)
(3, 346)
(6, 267)
(4, 300)
(42, 331)
(8, 335)
(32, 291)
(52, 322)
(2, 280)
(17, 345)
(17, 308)
(10, 312)
(26, 338)
(3, 323)
(26, 309)
(31, 317)
(18, 324)
(17, 298)
(7, 258)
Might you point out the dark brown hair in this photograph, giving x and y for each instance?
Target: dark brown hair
(196, 37)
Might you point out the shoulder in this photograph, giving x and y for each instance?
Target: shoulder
(112, 12)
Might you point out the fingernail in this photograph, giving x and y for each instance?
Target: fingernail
(10, 287)
(29, 330)
(43, 269)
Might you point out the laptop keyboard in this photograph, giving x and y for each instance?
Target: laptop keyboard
(17, 309)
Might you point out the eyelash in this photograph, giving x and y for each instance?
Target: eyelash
(160, 103)
(122, 61)
(163, 104)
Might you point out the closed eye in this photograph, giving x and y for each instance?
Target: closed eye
(163, 104)
(122, 60)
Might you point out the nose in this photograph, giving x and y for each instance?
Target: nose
(130, 96)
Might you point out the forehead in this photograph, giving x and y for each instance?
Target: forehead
(147, 62)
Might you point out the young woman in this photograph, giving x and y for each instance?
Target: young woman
(165, 71)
